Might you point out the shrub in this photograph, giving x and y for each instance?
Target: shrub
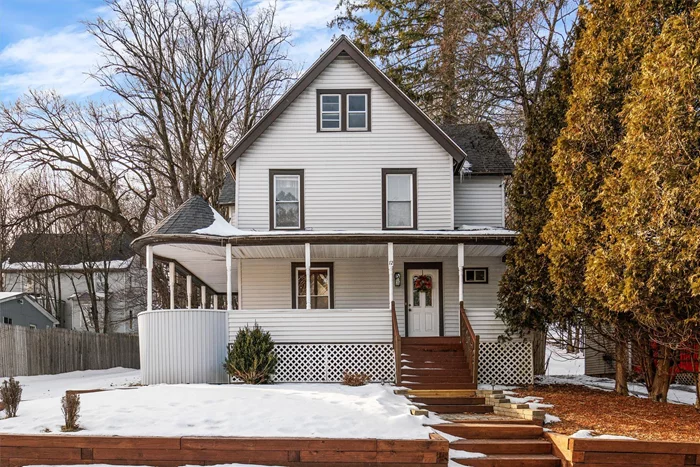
(10, 396)
(70, 405)
(355, 378)
(252, 357)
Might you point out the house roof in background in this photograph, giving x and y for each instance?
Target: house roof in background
(344, 46)
(485, 151)
(69, 249)
(228, 191)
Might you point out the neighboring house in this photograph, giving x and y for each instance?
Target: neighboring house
(355, 219)
(69, 281)
(20, 309)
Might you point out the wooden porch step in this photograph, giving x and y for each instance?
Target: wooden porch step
(455, 377)
(490, 430)
(436, 392)
(503, 446)
(416, 385)
(424, 365)
(429, 340)
(458, 408)
(432, 348)
(431, 371)
(512, 460)
(435, 358)
(448, 400)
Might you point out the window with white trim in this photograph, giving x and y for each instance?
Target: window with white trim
(399, 210)
(287, 201)
(357, 112)
(320, 288)
(476, 275)
(330, 112)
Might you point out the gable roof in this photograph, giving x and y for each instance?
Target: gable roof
(228, 191)
(343, 46)
(7, 296)
(485, 151)
(65, 249)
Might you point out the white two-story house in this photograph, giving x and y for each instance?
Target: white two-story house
(357, 227)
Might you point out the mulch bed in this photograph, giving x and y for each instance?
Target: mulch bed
(583, 408)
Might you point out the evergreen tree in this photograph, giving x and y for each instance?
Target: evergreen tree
(605, 60)
(648, 264)
(526, 298)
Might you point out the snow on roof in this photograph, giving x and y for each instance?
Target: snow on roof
(34, 265)
(6, 295)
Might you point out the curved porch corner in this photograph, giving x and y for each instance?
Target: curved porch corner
(183, 346)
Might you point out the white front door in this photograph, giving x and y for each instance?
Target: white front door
(423, 302)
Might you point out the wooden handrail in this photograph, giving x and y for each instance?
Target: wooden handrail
(470, 343)
(396, 339)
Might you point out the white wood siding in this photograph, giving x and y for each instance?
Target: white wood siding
(315, 326)
(362, 283)
(479, 200)
(343, 169)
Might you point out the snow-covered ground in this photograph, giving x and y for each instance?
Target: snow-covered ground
(46, 386)
(559, 362)
(280, 410)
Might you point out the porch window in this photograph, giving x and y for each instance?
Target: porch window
(286, 199)
(321, 286)
(476, 275)
(399, 198)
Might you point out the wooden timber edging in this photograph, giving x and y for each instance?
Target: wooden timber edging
(22, 450)
(593, 452)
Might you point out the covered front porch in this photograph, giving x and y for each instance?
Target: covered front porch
(340, 301)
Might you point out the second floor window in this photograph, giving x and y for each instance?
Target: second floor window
(399, 198)
(330, 112)
(357, 112)
(344, 110)
(287, 199)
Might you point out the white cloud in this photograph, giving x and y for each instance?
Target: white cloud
(59, 61)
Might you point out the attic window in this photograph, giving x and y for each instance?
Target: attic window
(344, 110)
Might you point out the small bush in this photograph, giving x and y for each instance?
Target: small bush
(252, 357)
(10, 396)
(70, 405)
(355, 378)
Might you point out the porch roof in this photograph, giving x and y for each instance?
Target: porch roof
(196, 222)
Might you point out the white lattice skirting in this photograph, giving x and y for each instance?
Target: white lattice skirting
(508, 363)
(325, 363)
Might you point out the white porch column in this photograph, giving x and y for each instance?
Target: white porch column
(216, 302)
(149, 278)
(239, 275)
(390, 261)
(189, 291)
(460, 267)
(229, 286)
(307, 265)
(203, 293)
(171, 278)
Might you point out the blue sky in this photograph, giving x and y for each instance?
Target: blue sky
(43, 45)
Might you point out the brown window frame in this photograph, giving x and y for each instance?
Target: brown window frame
(343, 109)
(275, 172)
(331, 291)
(414, 173)
(476, 268)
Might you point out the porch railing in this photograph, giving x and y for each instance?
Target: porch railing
(396, 340)
(470, 343)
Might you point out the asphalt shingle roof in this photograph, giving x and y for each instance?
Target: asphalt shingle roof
(228, 191)
(484, 149)
(69, 248)
(193, 214)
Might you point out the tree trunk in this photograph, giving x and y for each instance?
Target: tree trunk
(621, 370)
(697, 391)
(662, 377)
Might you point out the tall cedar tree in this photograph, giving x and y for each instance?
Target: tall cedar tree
(526, 298)
(649, 262)
(605, 60)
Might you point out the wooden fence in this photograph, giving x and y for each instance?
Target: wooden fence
(29, 352)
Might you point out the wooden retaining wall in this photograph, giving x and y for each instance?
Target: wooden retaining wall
(29, 352)
(21, 450)
(591, 452)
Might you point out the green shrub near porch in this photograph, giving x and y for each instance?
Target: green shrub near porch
(252, 357)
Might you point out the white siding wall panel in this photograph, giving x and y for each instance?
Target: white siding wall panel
(343, 169)
(315, 326)
(478, 200)
(362, 283)
(183, 346)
